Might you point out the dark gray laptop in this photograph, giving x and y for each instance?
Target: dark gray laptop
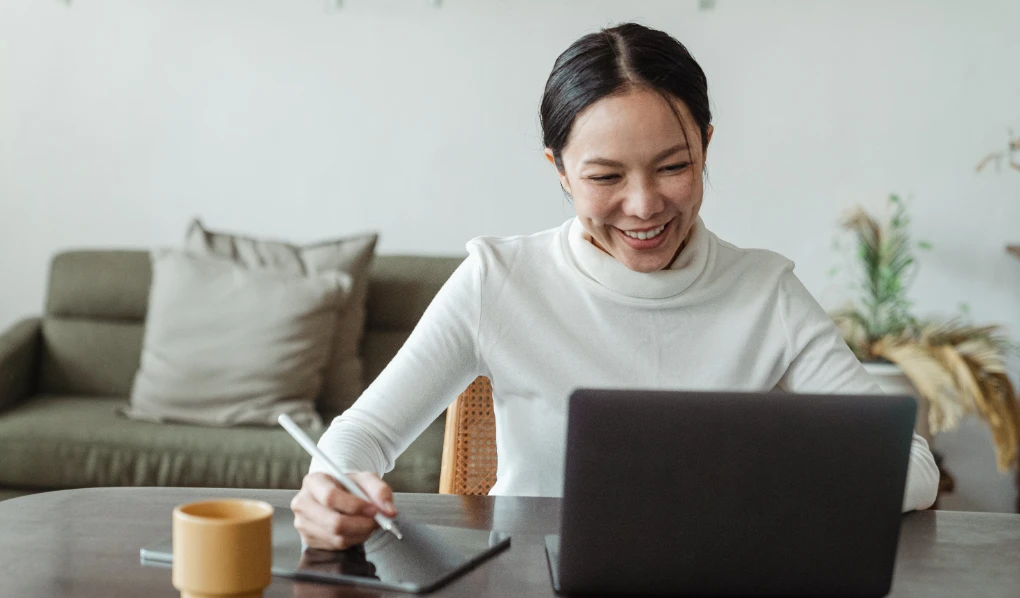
(731, 494)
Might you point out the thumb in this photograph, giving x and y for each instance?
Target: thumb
(378, 491)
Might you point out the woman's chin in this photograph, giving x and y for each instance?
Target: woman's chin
(646, 263)
(647, 260)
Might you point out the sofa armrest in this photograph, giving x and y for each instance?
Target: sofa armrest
(19, 350)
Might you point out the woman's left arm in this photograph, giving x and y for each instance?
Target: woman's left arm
(823, 363)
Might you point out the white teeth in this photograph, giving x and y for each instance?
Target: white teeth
(644, 235)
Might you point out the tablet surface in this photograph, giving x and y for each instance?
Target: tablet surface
(428, 557)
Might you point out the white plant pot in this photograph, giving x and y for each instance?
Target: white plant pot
(893, 381)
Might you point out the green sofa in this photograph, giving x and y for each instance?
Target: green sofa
(63, 375)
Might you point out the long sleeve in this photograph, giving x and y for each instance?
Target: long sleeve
(822, 363)
(435, 364)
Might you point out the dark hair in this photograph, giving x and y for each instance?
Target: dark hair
(615, 60)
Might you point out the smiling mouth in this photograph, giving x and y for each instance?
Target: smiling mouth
(646, 236)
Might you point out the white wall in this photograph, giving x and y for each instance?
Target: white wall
(121, 119)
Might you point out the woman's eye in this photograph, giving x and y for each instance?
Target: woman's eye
(676, 167)
(604, 178)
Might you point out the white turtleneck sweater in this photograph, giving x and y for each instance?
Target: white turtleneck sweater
(541, 315)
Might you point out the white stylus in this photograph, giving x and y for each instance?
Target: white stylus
(306, 443)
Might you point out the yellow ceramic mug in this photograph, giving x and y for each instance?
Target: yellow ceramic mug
(223, 548)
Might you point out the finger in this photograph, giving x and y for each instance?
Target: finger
(328, 492)
(359, 528)
(312, 536)
(315, 538)
(317, 518)
(303, 497)
(327, 522)
(331, 528)
(377, 490)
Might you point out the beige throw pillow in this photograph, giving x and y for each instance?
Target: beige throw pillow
(343, 381)
(226, 345)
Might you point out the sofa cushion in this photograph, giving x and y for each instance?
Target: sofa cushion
(92, 330)
(403, 286)
(89, 356)
(55, 442)
(100, 285)
(19, 347)
(343, 380)
(110, 289)
(379, 348)
(226, 345)
(71, 441)
(9, 493)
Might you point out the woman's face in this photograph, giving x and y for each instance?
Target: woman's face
(635, 179)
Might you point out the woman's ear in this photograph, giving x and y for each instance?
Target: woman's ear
(549, 155)
(708, 139)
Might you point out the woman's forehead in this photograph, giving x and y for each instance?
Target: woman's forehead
(634, 124)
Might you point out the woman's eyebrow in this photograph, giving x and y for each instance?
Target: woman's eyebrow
(602, 162)
(614, 164)
(670, 151)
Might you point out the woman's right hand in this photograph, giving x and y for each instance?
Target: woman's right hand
(329, 517)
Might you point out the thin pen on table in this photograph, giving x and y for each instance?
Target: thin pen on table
(306, 443)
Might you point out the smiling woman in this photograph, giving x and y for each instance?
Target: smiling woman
(633, 292)
(626, 123)
(638, 203)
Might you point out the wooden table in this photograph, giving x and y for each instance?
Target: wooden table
(84, 543)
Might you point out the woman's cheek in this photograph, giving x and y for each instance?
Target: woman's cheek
(683, 189)
(597, 201)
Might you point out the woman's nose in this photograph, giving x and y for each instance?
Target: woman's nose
(643, 200)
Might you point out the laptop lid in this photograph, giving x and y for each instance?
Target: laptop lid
(732, 493)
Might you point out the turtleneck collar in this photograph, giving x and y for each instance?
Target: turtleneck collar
(607, 271)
